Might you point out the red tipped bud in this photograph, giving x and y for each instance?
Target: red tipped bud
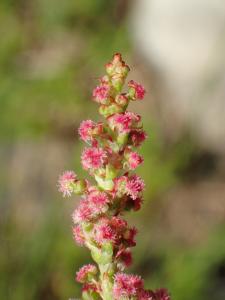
(122, 100)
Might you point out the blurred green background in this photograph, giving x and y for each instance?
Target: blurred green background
(51, 54)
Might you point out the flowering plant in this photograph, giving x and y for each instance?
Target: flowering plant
(110, 160)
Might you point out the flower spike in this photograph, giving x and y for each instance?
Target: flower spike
(110, 159)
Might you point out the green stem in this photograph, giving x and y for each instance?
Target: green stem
(106, 277)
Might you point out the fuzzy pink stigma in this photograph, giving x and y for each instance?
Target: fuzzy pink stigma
(85, 130)
(130, 236)
(93, 158)
(127, 286)
(98, 199)
(125, 257)
(95, 204)
(137, 203)
(65, 183)
(123, 122)
(103, 233)
(78, 235)
(145, 295)
(84, 272)
(118, 223)
(137, 136)
(134, 160)
(83, 213)
(139, 90)
(101, 93)
(134, 186)
(160, 294)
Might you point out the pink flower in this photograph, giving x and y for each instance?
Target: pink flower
(97, 202)
(101, 93)
(137, 89)
(125, 257)
(160, 294)
(123, 122)
(83, 213)
(90, 207)
(103, 233)
(98, 199)
(137, 136)
(145, 295)
(134, 186)
(118, 223)
(85, 130)
(137, 203)
(130, 235)
(127, 286)
(78, 235)
(90, 130)
(120, 186)
(134, 204)
(65, 183)
(134, 160)
(85, 272)
(93, 158)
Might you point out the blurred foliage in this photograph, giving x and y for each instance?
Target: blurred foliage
(44, 74)
(50, 53)
(199, 273)
(196, 272)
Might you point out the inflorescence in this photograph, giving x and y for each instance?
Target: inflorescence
(110, 159)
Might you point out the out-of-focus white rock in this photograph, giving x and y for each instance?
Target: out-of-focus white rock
(185, 41)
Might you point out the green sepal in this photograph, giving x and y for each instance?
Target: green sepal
(105, 184)
(79, 186)
(90, 295)
(108, 110)
(104, 255)
(107, 278)
(107, 287)
(117, 83)
(87, 227)
(111, 172)
(122, 139)
(132, 93)
(107, 248)
(115, 147)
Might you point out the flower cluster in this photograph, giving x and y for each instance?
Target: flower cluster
(110, 159)
(132, 287)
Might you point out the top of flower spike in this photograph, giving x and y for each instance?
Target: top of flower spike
(122, 131)
(117, 66)
(104, 93)
(108, 92)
